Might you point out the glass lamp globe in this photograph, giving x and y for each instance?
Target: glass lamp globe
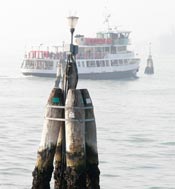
(72, 21)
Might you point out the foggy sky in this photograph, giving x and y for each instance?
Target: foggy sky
(32, 22)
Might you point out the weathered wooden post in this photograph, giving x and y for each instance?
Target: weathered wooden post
(60, 166)
(59, 159)
(75, 140)
(92, 161)
(70, 77)
(44, 164)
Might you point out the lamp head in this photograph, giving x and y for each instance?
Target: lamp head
(72, 21)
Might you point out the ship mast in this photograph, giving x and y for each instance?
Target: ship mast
(150, 49)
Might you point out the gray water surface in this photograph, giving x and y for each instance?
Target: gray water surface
(135, 126)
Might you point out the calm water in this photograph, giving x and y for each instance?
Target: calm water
(135, 125)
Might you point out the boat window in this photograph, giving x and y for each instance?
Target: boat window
(122, 48)
(88, 53)
(91, 64)
(40, 64)
(83, 64)
(114, 62)
(98, 63)
(120, 61)
(125, 61)
(48, 65)
(113, 50)
(81, 53)
(107, 62)
(78, 63)
(29, 64)
(102, 63)
(106, 49)
(132, 62)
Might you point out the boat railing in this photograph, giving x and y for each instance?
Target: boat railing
(45, 55)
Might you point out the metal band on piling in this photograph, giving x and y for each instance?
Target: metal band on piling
(65, 107)
(61, 119)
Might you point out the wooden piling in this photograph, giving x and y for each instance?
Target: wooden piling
(75, 140)
(59, 160)
(44, 165)
(70, 77)
(92, 160)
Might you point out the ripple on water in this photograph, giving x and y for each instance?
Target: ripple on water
(168, 143)
(109, 175)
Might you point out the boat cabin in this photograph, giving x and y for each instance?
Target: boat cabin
(103, 44)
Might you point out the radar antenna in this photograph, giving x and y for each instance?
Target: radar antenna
(107, 21)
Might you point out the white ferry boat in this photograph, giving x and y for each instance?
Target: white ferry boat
(105, 56)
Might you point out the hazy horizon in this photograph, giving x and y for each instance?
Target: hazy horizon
(26, 23)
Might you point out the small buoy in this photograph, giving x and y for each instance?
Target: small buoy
(149, 67)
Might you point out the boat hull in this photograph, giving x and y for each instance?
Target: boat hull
(101, 76)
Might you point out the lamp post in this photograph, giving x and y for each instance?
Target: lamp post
(72, 21)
